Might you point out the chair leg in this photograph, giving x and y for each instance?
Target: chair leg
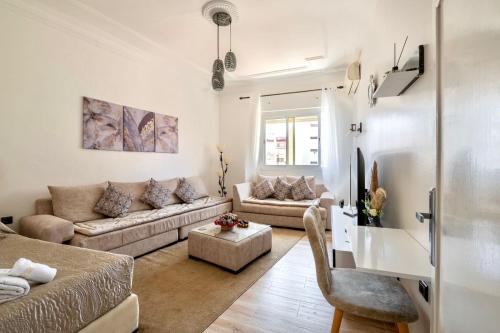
(337, 320)
(403, 328)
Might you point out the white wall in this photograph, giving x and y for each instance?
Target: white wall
(399, 132)
(237, 118)
(47, 69)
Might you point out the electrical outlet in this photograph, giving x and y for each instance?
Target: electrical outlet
(423, 288)
(7, 219)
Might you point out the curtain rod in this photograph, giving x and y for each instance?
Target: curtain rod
(291, 92)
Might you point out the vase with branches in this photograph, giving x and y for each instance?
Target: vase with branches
(224, 166)
(375, 203)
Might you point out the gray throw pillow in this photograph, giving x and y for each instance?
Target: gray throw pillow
(263, 190)
(281, 189)
(114, 203)
(301, 190)
(185, 191)
(156, 195)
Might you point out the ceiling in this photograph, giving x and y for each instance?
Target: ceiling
(271, 36)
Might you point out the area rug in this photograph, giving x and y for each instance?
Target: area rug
(182, 295)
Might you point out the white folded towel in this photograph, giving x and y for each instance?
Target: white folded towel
(32, 271)
(12, 287)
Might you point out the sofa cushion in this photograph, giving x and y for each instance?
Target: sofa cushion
(281, 203)
(185, 191)
(137, 189)
(76, 203)
(114, 203)
(295, 211)
(156, 194)
(199, 187)
(263, 190)
(113, 239)
(106, 225)
(311, 181)
(281, 189)
(301, 190)
(171, 185)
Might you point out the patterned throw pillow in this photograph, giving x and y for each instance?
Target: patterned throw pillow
(281, 189)
(301, 190)
(263, 190)
(185, 191)
(114, 203)
(156, 195)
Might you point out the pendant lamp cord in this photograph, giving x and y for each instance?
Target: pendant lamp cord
(230, 36)
(217, 36)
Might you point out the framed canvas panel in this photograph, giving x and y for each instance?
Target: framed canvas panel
(166, 134)
(102, 125)
(138, 130)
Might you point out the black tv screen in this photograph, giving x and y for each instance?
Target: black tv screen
(362, 218)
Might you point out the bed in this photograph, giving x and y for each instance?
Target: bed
(91, 291)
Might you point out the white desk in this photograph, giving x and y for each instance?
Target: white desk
(383, 251)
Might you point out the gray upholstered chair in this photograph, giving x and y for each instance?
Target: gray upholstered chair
(362, 294)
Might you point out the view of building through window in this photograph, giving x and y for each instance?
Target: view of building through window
(276, 142)
(292, 140)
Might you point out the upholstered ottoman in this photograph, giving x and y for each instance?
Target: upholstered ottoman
(233, 249)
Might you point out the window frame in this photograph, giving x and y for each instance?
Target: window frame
(290, 113)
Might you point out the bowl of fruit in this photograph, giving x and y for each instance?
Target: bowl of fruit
(227, 221)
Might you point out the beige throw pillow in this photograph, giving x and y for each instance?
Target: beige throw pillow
(137, 189)
(114, 203)
(185, 191)
(281, 189)
(76, 203)
(199, 187)
(311, 181)
(171, 185)
(263, 190)
(156, 195)
(301, 190)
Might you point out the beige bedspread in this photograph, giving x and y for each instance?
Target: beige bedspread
(87, 285)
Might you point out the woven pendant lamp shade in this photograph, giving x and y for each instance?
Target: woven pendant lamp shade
(217, 81)
(230, 61)
(218, 66)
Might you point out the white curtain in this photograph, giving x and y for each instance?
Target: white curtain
(253, 154)
(329, 143)
(336, 141)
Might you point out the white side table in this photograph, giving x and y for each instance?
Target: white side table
(341, 244)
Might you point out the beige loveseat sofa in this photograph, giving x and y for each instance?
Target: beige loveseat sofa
(69, 217)
(287, 213)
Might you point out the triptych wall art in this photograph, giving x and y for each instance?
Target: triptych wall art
(108, 126)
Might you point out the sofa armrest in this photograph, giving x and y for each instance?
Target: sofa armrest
(240, 192)
(46, 227)
(327, 200)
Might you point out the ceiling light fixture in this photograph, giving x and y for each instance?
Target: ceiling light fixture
(222, 13)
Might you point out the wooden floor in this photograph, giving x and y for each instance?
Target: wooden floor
(287, 299)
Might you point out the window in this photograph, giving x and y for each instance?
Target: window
(291, 137)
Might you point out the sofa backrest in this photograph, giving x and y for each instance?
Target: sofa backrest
(44, 207)
(318, 188)
(76, 203)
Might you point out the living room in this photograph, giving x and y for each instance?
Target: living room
(249, 166)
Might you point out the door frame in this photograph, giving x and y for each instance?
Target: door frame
(435, 302)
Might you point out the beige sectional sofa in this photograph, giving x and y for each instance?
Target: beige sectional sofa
(287, 213)
(69, 217)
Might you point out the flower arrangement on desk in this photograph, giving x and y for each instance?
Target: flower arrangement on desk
(224, 164)
(227, 221)
(375, 203)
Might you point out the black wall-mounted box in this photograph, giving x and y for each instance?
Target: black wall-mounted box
(7, 220)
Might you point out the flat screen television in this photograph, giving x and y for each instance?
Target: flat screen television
(362, 218)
